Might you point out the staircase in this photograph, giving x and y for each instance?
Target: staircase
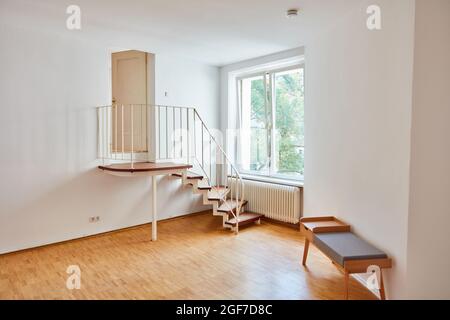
(232, 212)
(179, 135)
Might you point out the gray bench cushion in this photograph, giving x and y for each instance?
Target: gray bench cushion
(344, 246)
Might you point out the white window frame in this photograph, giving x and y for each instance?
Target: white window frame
(271, 73)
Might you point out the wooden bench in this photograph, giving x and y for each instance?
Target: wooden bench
(347, 251)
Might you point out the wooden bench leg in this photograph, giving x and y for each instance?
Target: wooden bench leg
(346, 280)
(382, 292)
(305, 252)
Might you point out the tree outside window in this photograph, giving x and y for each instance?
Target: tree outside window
(272, 107)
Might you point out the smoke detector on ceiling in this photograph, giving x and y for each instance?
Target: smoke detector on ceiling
(292, 13)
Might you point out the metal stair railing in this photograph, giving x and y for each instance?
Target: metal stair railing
(178, 134)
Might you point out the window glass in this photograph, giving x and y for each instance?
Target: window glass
(289, 123)
(272, 133)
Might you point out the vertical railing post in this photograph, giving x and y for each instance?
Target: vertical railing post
(140, 128)
(115, 132)
(203, 151)
(132, 135)
(150, 132)
(181, 133)
(237, 205)
(159, 132)
(188, 137)
(122, 135)
(195, 136)
(105, 139)
(99, 135)
(215, 166)
(109, 132)
(174, 138)
(210, 158)
(167, 133)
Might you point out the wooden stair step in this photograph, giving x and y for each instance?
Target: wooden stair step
(245, 218)
(190, 175)
(217, 193)
(203, 185)
(229, 205)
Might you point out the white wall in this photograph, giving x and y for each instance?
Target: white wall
(49, 187)
(357, 128)
(188, 83)
(429, 215)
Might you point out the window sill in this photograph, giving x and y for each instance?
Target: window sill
(284, 182)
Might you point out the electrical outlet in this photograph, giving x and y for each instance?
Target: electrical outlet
(94, 219)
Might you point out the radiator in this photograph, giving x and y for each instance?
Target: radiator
(278, 202)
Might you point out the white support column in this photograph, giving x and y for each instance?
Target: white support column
(155, 214)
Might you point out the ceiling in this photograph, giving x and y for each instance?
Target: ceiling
(217, 32)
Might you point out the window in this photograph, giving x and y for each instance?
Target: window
(271, 106)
